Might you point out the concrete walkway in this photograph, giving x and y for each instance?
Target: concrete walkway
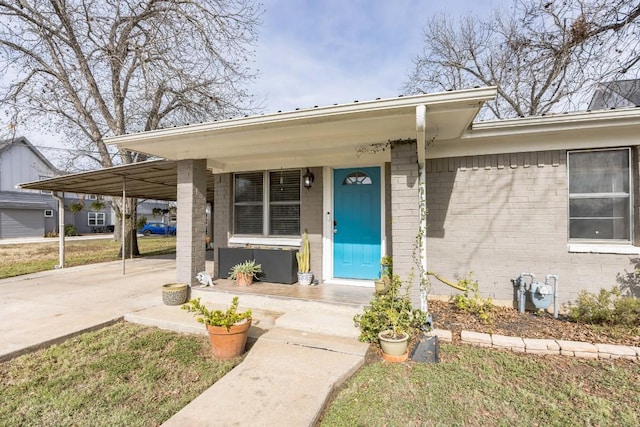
(302, 349)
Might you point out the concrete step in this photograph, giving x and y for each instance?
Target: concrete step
(273, 303)
(173, 318)
(297, 314)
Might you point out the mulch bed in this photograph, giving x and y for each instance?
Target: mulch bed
(510, 322)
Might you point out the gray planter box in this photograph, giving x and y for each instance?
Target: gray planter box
(278, 265)
(228, 257)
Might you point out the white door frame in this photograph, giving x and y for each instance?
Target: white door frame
(327, 227)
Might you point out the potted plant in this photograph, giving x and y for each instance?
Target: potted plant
(244, 272)
(305, 277)
(76, 207)
(386, 272)
(175, 293)
(228, 330)
(390, 319)
(394, 341)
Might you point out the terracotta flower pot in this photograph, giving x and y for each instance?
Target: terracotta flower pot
(244, 279)
(227, 344)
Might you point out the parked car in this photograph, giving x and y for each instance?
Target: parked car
(157, 228)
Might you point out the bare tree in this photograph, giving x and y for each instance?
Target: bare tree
(97, 68)
(544, 56)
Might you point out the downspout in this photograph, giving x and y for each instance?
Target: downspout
(61, 230)
(123, 212)
(421, 124)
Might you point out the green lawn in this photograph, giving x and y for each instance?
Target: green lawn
(122, 375)
(35, 257)
(480, 387)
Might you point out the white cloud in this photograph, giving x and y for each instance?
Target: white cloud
(324, 52)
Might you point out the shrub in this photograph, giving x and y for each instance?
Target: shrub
(469, 301)
(387, 309)
(608, 307)
(70, 230)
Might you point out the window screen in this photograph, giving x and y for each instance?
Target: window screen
(599, 195)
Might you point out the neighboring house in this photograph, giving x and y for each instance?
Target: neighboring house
(24, 213)
(554, 194)
(33, 213)
(616, 94)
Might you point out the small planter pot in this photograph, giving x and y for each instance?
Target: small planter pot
(305, 278)
(381, 286)
(395, 348)
(227, 344)
(175, 293)
(244, 279)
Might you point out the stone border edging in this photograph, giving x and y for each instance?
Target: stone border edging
(543, 346)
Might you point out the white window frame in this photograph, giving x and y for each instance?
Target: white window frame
(48, 213)
(266, 211)
(99, 219)
(577, 244)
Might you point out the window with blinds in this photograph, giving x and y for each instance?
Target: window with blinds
(267, 203)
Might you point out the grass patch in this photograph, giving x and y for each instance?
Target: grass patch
(34, 257)
(124, 374)
(476, 386)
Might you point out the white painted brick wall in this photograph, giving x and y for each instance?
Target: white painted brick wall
(498, 216)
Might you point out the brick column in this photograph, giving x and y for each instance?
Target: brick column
(222, 208)
(191, 219)
(405, 215)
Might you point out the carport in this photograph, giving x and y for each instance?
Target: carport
(153, 179)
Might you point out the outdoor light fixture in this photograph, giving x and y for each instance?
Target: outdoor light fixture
(308, 179)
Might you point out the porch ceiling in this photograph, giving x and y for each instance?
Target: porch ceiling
(312, 137)
(154, 179)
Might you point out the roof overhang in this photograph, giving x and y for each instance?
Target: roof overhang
(322, 136)
(566, 131)
(154, 179)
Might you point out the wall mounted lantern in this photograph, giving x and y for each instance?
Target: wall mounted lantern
(308, 179)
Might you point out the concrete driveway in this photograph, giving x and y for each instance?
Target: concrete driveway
(41, 308)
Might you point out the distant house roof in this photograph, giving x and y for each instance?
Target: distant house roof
(22, 200)
(6, 144)
(616, 94)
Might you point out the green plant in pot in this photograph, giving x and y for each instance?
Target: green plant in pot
(228, 330)
(244, 272)
(386, 272)
(305, 276)
(390, 319)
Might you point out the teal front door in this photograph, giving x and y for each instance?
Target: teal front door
(357, 237)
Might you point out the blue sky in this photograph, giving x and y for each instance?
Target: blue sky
(335, 51)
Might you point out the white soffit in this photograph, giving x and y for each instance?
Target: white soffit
(569, 131)
(311, 137)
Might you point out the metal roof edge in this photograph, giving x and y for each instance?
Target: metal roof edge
(478, 95)
(556, 122)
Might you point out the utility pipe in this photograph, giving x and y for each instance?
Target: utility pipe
(123, 212)
(61, 230)
(555, 292)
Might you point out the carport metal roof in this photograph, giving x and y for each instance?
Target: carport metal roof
(153, 179)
